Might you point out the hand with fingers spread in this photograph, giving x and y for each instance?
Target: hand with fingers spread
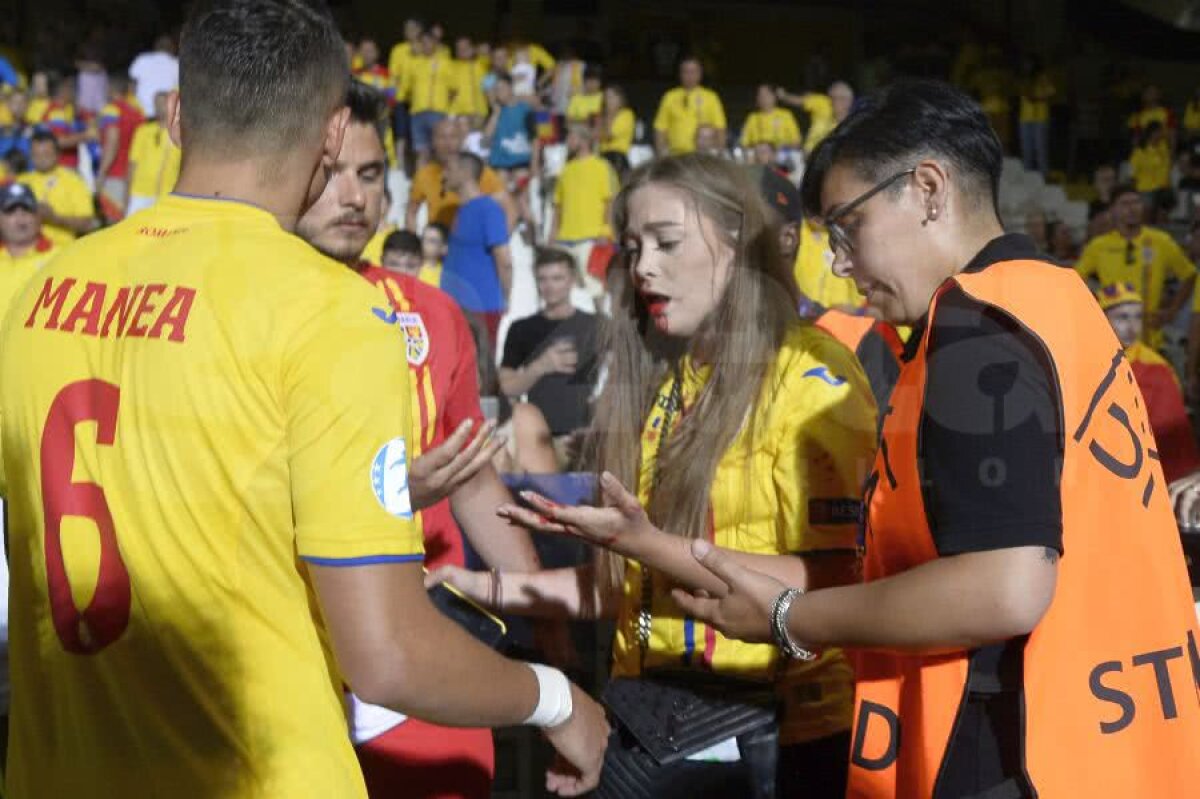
(744, 612)
(614, 526)
(440, 471)
(580, 742)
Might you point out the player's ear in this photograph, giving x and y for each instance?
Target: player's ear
(173, 111)
(335, 133)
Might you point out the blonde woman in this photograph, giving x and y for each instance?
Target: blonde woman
(736, 423)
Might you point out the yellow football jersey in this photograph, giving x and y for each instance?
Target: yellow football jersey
(790, 483)
(194, 404)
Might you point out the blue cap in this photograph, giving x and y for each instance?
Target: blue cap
(17, 195)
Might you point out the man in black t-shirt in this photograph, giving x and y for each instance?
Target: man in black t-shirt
(550, 357)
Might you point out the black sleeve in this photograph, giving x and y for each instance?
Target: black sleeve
(516, 345)
(991, 433)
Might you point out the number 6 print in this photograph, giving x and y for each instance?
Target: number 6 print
(105, 618)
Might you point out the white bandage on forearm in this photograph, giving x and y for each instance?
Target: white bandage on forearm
(554, 697)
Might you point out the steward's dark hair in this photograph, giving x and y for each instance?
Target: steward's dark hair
(897, 126)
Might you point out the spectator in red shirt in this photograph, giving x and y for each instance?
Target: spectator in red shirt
(1173, 434)
(409, 757)
(119, 120)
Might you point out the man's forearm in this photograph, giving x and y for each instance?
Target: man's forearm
(76, 224)
(504, 272)
(448, 656)
(502, 545)
(574, 593)
(515, 382)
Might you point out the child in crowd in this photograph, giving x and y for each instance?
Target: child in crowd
(434, 242)
(1176, 443)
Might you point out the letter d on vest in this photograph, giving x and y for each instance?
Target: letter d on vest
(890, 747)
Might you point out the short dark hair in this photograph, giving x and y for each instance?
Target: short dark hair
(593, 72)
(402, 241)
(894, 127)
(474, 164)
(441, 229)
(43, 136)
(367, 106)
(254, 73)
(547, 256)
(1121, 189)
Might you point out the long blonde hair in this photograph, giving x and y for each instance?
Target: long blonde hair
(739, 341)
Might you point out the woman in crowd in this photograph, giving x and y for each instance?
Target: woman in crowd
(1025, 627)
(617, 128)
(734, 423)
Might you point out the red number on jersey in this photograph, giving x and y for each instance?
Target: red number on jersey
(104, 619)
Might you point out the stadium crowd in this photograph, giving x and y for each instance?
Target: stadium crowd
(703, 320)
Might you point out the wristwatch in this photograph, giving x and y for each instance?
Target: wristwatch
(779, 631)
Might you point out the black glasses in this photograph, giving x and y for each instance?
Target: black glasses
(839, 239)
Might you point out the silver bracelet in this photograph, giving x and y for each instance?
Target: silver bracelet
(779, 631)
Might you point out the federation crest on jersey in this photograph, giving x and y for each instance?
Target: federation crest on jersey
(417, 337)
(389, 478)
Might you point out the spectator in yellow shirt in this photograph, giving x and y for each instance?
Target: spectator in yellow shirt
(1035, 119)
(64, 200)
(39, 98)
(617, 127)
(1151, 164)
(582, 196)
(825, 111)
(587, 105)
(25, 248)
(1152, 110)
(469, 100)
(153, 160)
(398, 62)
(770, 124)
(1191, 117)
(427, 83)
(684, 109)
(1143, 256)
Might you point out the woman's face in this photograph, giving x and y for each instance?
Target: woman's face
(612, 99)
(678, 260)
(886, 243)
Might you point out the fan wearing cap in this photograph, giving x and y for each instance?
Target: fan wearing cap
(26, 249)
(875, 343)
(1124, 307)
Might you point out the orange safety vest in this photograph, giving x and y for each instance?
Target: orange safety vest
(854, 331)
(851, 329)
(1112, 671)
